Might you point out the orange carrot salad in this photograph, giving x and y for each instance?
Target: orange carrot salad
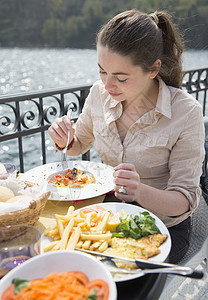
(73, 285)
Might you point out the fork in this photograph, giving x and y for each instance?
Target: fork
(63, 153)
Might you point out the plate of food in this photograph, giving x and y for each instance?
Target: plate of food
(81, 180)
(116, 229)
(63, 277)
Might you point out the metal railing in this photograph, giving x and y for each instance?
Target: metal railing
(26, 114)
(30, 113)
(196, 83)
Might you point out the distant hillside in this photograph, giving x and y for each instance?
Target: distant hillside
(74, 23)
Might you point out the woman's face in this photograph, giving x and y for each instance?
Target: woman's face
(122, 79)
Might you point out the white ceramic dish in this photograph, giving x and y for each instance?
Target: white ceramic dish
(102, 173)
(60, 261)
(130, 209)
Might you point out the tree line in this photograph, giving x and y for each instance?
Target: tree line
(74, 23)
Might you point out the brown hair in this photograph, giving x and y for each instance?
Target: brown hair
(146, 38)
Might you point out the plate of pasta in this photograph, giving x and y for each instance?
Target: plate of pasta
(81, 180)
(116, 229)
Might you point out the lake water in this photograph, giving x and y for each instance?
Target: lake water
(26, 70)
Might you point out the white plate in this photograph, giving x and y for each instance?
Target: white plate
(102, 173)
(134, 210)
(60, 261)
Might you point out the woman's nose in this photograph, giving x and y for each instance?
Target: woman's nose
(109, 82)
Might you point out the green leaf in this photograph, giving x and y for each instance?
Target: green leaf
(19, 284)
(136, 226)
(119, 235)
(92, 295)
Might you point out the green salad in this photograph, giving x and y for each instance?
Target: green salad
(136, 226)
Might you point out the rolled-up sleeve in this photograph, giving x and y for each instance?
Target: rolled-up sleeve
(186, 158)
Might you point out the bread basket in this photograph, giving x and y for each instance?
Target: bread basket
(27, 216)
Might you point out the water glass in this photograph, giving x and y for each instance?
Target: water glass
(24, 245)
(7, 170)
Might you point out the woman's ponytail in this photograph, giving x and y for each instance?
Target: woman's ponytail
(171, 69)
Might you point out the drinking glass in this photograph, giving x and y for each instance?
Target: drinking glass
(7, 170)
(24, 244)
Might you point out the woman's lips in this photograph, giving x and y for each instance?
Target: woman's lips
(114, 94)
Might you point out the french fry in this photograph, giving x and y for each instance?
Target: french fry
(51, 232)
(66, 233)
(57, 237)
(74, 239)
(95, 246)
(94, 215)
(57, 246)
(103, 246)
(70, 210)
(93, 229)
(86, 245)
(78, 220)
(96, 237)
(97, 217)
(60, 227)
(52, 227)
(79, 244)
(82, 215)
(63, 217)
(88, 221)
(101, 226)
(50, 246)
(82, 225)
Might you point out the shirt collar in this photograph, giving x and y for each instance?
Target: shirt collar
(163, 105)
(112, 107)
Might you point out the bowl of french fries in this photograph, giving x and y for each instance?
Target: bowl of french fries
(98, 229)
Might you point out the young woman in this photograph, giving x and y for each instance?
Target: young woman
(144, 125)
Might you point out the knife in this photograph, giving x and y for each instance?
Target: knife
(158, 267)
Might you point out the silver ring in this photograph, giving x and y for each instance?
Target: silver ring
(122, 190)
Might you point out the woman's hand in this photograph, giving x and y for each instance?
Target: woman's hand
(125, 175)
(58, 131)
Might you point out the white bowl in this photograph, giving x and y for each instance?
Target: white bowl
(61, 261)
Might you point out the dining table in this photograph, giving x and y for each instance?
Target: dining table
(147, 287)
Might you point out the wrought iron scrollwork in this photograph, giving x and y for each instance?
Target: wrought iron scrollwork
(6, 120)
(51, 110)
(30, 115)
(196, 80)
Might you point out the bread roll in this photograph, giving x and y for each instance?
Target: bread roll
(21, 198)
(5, 194)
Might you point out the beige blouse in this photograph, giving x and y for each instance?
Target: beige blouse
(166, 144)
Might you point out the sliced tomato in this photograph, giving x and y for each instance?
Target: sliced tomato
(8, 293)
(101, 288)
(98, 207)
(65, 181)
(68, 174)
(88, 210)
(80, 276)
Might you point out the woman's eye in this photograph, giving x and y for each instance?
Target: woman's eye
(102, 72)
(122, 80)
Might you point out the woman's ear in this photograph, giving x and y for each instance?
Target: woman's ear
(155, 68)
